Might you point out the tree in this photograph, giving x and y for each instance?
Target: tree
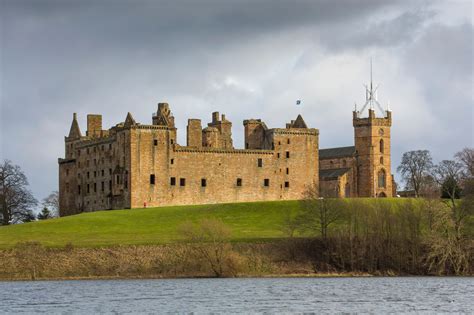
(450, 185)
(319, 213)
(45, 214)
(415, 169)
(448, 174)
(209, 241)
(466, 159)
(52, 204)
(16, 201)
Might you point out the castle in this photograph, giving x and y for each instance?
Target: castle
(132, 165)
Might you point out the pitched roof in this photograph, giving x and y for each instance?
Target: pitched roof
(332, 173)
(75, 131)
(129, 121)
(337, 152)
(299, 123)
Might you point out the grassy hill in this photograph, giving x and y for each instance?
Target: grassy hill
(248, 221)
(149, 226)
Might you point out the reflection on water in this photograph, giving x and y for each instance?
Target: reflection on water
(374, 295)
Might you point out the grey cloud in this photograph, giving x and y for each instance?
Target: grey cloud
(110, 57)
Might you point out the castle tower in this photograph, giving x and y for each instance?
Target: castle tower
(373, 146)
(74, 135)
(224, 128)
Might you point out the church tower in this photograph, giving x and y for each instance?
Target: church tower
(372, 144)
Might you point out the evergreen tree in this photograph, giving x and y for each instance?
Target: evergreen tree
(45, 214)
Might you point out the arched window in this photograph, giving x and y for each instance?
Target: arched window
(344, 163)
(381, 179)
(381, 146)
(381, 160)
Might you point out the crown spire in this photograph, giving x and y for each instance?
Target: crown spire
(371, 95)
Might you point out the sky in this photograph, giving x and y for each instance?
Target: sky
(246, 59)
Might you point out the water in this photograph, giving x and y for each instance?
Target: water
(318, 295)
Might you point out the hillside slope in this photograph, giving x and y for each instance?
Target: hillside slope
(149, 226)
(248, 221)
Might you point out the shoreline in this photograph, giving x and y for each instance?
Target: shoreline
(243, 276)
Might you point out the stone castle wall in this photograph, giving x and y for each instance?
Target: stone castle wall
(132, 165)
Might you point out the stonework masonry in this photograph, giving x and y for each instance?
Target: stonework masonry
(132, 165)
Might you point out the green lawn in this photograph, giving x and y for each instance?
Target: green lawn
(248, 222)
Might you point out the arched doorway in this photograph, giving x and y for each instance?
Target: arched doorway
(382, 195)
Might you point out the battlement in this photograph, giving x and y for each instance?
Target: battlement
(372, 120)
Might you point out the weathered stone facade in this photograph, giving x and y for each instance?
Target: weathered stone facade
(132, 165)
(362, 170)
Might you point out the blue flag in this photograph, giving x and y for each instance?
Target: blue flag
(298, 102)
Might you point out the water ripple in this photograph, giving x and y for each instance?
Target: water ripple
(266, 296)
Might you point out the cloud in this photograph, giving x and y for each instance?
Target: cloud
(247, 59)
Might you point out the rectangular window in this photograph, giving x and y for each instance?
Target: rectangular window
(278, 155)
(259, 162)
(95, 187)
(102, 186)
(171, 141)
(288, 141)
(203, 182)
(102, 147)
(155, 142)
(239, 182)
(173, 181)
(88, 175)
(287, 171)
(110, 146)
(266, 182)
(79, 189)
(95, 174)
(88, 188)
(87, 150)
(110, 171)
(110, 185)
(287, 154)
(287, 184)
(103, 173)
(172, 161)
(152, 179)
(182, 182)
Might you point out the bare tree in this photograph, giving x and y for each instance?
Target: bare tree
(445, 171)
(319, 212)
(16, 201)
(448, 174)
(209, 241)
(52, 204)
(415, 169)
(466, 159)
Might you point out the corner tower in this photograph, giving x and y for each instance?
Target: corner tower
(373, 147)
